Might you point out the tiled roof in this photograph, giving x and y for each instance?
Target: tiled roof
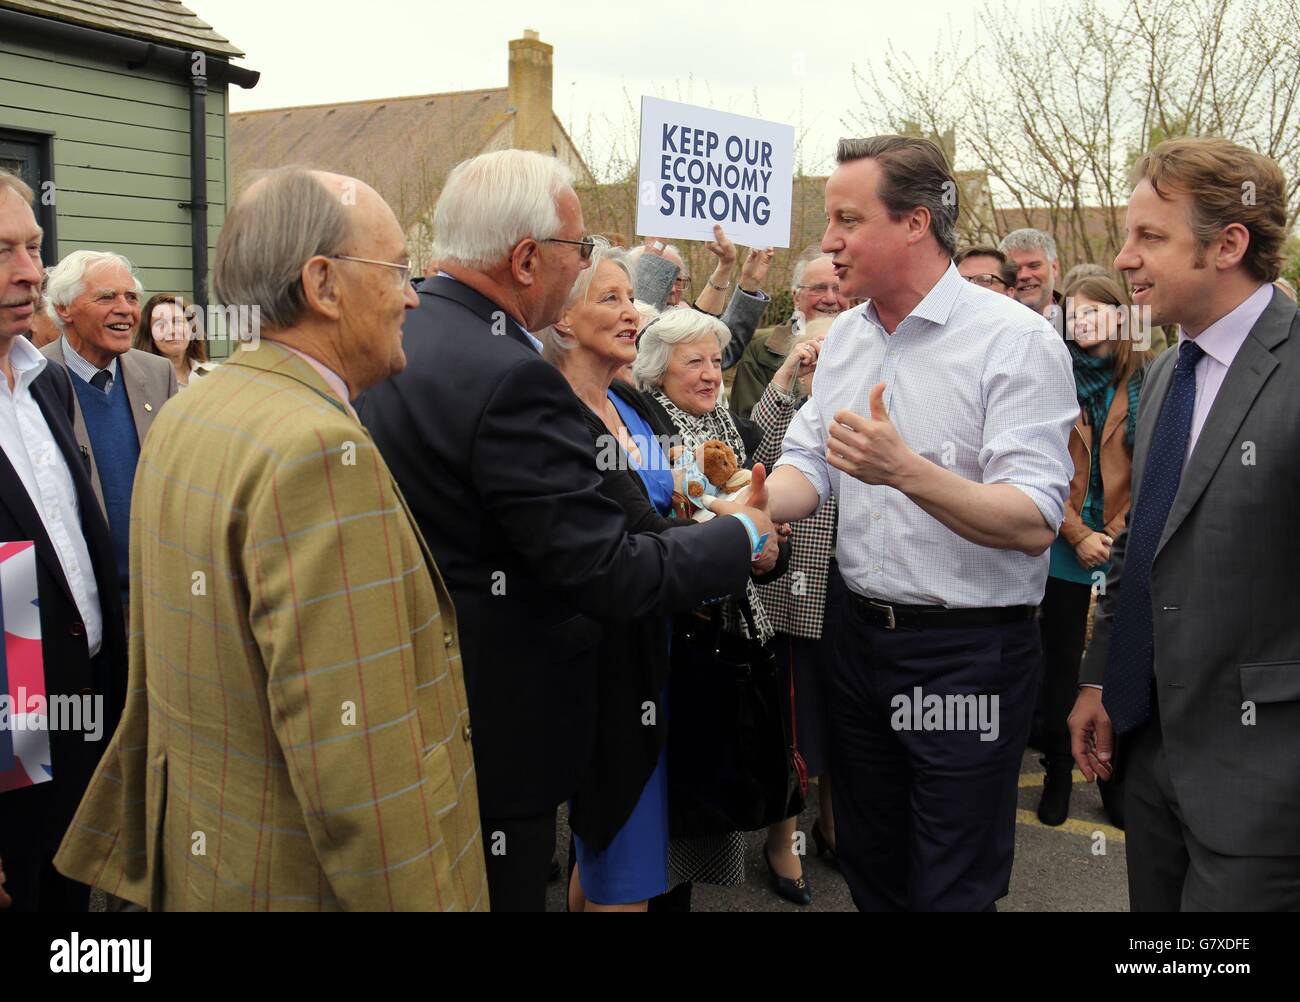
(164, 21)
(402, 147)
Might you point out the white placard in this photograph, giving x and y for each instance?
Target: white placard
(700, 167)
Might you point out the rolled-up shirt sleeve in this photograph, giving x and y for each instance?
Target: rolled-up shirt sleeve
(1030, 406)
(804, 448)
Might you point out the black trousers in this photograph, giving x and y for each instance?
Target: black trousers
(1169, 868)
(517, 853)
(925, 818)
(1063, 621)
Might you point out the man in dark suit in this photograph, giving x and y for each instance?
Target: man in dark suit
(489, 446)
(46, 497)
(1195, 658)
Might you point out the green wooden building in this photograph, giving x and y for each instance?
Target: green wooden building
(115, 112)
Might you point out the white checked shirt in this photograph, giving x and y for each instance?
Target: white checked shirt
(974, 382)
(39, 463)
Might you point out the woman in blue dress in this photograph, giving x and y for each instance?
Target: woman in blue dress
(619, 816)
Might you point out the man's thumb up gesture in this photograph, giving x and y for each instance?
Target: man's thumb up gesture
(869, 449)
(877, 398)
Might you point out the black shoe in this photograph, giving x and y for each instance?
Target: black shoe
(824, 847)
(795, 891)
(1054, 806)
(554, 875)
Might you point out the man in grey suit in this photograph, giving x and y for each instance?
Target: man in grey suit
(1195, 657)
(93, 297)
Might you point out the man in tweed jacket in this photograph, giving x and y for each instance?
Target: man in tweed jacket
(296, 734)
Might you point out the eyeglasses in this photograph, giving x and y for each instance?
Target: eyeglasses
(585, 246)
(821, 289)
(988, 281)
(404, 268)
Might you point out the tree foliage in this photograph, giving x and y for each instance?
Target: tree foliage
(1056, 112)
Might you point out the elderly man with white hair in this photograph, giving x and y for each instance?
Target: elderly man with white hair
(296, 736)
(490, 447)
(93, 298)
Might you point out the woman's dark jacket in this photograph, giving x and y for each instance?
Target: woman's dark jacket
(633, 655)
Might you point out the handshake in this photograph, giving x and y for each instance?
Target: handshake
(754, 504)
(710, 481)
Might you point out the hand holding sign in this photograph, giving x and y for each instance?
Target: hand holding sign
(869, 449)
(722, 248)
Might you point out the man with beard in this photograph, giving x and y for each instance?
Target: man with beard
(1038, 272)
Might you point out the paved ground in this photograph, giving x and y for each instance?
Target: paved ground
(1055, 870)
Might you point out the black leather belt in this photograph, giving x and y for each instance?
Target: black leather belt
(891, 616)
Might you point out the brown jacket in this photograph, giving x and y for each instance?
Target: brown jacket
(296, 733)
(1116, 472)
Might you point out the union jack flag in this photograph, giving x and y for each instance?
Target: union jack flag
(24, 731)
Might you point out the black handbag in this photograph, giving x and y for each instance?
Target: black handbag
(731, 766)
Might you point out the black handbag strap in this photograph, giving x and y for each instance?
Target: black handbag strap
(748, 613)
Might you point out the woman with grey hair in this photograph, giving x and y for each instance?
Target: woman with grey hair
(619, 816)
(679, 368)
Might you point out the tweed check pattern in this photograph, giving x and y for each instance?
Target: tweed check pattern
(296, 734)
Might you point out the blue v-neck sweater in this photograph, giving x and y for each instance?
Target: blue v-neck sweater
(116, 447)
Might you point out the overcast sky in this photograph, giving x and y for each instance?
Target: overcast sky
(787, 60)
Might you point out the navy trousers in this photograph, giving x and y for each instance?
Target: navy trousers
(925, 802)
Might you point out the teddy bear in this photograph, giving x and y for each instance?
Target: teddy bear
(712, 472)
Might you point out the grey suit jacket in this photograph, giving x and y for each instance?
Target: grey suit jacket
(1224, 589)
(150, 382)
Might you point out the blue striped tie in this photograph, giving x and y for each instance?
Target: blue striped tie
(1130, 661)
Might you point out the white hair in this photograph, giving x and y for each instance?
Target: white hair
(66, 281)
(800, 268)
(1029, 240)
(492, 201)
(554, 342)
(634, 255)
(647, 312)
(660, 336)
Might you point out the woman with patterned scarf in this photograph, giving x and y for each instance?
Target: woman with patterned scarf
(678, 368)
(1109, 366)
